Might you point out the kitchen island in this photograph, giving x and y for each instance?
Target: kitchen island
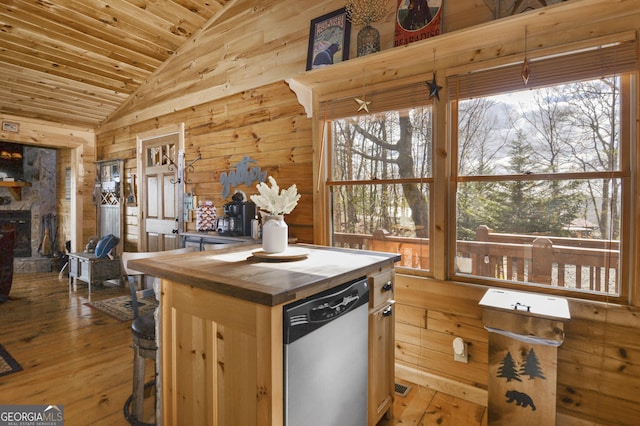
(222, 328)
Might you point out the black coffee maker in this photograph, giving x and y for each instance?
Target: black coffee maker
(238, 214)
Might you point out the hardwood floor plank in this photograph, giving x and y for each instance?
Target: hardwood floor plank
(425, 407)
(448, 410)
(71, 354)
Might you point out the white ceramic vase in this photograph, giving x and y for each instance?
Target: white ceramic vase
(275, 234)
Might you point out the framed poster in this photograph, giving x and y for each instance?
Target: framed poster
(329, 39)
(417, 20)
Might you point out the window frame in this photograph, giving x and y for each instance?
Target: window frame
(343, 109)
(443, 180)
(627, 173)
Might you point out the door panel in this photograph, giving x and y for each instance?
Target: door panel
(152, 193)
(169, 196)
(160, 192)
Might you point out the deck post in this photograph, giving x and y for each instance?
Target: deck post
(541, 261)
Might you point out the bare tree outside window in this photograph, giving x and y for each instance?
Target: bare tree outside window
(381, 173)
(546, 172)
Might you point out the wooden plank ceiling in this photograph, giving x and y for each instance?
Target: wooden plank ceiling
(75, 62)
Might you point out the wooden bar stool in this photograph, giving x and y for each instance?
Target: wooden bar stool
(143, 329)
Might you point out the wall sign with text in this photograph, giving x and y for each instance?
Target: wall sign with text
(417, 20)
(243, 173)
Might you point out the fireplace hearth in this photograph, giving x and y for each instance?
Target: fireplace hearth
(27, 214)
(21, 221)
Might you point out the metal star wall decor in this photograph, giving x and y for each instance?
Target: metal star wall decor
(364, 104)
(434, 88)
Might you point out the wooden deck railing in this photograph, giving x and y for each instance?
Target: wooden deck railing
(414, 251)
(586, 264)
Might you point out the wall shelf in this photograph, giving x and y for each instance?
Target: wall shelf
(15, 188)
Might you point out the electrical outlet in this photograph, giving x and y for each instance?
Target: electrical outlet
(460, 350)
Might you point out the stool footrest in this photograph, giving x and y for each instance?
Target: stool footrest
(127, 408)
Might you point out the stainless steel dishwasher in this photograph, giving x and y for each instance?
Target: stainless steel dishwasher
(326, 357)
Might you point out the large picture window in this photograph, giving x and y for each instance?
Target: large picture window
(542, 178)
(380, 182)
(540, 186)
(533, 181)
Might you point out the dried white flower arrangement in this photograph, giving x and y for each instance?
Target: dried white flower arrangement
(361, 13)
(274, 201)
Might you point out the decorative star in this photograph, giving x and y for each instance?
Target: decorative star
(434, 89)
(525, 71)
(364, 104)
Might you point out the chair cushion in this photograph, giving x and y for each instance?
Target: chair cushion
(105, 245)
(144, 326)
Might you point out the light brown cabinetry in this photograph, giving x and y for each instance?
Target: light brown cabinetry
(222, 329)
(381, 346)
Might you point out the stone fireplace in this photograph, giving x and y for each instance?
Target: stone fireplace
(20, 220)
(37, 202)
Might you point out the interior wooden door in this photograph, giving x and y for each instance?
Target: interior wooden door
(160, 193)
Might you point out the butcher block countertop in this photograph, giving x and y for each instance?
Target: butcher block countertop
(236, 272)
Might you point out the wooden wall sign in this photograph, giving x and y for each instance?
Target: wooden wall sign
(417, 20)
(8, 126)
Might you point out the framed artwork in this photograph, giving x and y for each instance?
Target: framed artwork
(329, 39)
(417, 20)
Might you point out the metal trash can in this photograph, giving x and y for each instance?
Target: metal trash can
(525, 331)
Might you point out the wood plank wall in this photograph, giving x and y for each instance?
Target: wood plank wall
(227, 86)
(78, 151)
(63, 205)
(229, 92)
(598, 368)
(266, 124)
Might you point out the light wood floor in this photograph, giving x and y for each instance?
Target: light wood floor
(78, 357)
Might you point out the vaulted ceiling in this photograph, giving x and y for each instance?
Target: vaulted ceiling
(76, 61)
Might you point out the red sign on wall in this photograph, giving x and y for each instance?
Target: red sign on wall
(417, 20)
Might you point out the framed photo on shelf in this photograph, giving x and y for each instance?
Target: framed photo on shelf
(329, 39)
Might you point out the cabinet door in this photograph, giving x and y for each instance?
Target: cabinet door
(381, 288)
(381, 362)
(84, 270)
(73, 267)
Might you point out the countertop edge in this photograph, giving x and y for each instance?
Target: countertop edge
(224, 286)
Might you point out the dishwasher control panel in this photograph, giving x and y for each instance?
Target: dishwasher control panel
(331, 310)
(306, 315)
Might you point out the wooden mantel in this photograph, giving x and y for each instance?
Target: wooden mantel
(15, 188)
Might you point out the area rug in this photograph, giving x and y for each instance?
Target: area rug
(8, 365)
(120, 307)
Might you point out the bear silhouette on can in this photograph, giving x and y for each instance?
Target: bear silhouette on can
(522, 399)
